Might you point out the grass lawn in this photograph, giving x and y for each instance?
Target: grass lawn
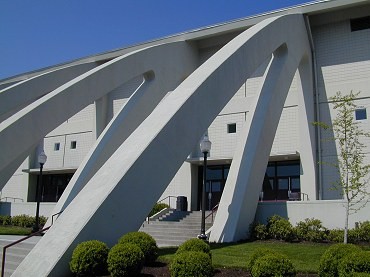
(305, 256)
(15, 230)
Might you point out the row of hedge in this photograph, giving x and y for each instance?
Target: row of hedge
(126, 258)
(21, 220)
(312, 230)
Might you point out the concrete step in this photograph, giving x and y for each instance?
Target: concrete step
(175, 227)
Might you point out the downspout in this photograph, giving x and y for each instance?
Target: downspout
(318, 117)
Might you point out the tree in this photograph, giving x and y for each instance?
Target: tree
(353, 173)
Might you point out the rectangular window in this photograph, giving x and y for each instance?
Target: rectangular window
(361, 23)
(360, 114)
(56, 146)
(231, 128)
(73, 144)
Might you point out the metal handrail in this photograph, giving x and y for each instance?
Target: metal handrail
(169, 199)
(215, 208)
(14, 198)
(23, 239)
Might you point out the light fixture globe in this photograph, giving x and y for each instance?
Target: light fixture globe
(205, 144)
(42, 158)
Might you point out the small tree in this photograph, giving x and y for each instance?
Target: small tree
(353, 173)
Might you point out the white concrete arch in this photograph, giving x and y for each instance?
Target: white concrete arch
(119, 194)
(23, 130)
(21, 94)
(131, 115)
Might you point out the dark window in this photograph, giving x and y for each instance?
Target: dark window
(361, 23)
(56, 146)
(231, 128)
(53, 186)
(360, 114)
(73, 144)
(281, 179)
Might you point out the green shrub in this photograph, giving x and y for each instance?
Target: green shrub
(190, 264)
(273, 265)
(280, 228)
(145, 242)
(23, 220)
(358, 261)
(157, 208)
(258, 253)
(125, 259)
(331, 258)
(196, 245)
(364, 229)
(336, 235)
(360, 274)
(259, 231)
(5, 220)
(311, 230)
(89, 258)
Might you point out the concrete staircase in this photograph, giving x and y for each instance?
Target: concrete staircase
(15, 254)
(175, 227)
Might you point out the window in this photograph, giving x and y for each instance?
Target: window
(231, 128)
(360, 114)
(361, 23)
(56, 146)
(73, 144)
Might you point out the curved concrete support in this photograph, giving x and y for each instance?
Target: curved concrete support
(125, 188)
(27, 127)
(21, 94)
(131, 115)
(239, 201)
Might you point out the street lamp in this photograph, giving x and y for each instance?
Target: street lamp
(205, 147)
(42, 160)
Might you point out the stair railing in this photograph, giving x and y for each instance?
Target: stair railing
(23, 239)
(214, 209)
(13, 198)
(169, 199)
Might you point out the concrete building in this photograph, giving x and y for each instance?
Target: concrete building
(135, 116)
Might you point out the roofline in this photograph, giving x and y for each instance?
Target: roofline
(310, 8)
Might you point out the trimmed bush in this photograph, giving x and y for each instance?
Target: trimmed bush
(336, 235)
(190, 264)
(23, 220)
(157, 208)
(331, 258)
(356, 262)
(125, 259)
(259, 231)
(258, 253)
(5, 220)
(145, 242)
(273, 265)
(196, 245)
(280, 228)
(89, 259)
(364, 230)
(311, 230)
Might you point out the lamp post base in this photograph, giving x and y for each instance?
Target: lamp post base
(202, 237)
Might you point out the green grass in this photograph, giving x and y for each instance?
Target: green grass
(305, 256)
(15, 230)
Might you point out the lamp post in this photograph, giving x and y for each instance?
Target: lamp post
(42, 160)
(205, 147)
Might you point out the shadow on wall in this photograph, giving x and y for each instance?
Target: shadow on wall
(265, 211)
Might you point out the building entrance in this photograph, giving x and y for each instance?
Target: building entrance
(216, 178)
(282, 178)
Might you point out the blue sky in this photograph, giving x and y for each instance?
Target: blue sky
(39, 33)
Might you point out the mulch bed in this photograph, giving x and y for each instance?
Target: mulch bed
(161, 270)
